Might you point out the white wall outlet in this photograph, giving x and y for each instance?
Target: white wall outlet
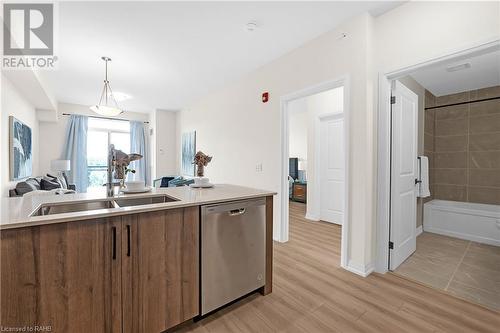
(258, 167)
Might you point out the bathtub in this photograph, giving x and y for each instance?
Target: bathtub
(465, 220)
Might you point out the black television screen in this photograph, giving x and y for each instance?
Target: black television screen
(293, 168)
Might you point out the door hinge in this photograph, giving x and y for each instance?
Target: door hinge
(391, 246)
(393, 99)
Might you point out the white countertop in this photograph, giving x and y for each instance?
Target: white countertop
(15, 212)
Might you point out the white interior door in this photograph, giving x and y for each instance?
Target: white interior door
(404, 172)
(332, 173)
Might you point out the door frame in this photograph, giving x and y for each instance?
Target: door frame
(342, 81)
(317, 159)
(384, 140)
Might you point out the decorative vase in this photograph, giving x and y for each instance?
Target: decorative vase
(200, 171)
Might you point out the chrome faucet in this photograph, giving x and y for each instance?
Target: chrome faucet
(110, 189)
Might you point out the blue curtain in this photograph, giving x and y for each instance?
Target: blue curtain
(138, 145)
(75, 150)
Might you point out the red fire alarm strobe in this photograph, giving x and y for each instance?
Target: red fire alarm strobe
(265, 97)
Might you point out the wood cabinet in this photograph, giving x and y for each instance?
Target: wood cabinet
(299, 192)
(61, 276)
(136, 273)
(161, 273)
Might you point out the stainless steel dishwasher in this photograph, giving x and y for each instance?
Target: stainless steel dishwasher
(233, 251)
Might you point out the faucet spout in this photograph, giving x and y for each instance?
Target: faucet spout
(110, 192)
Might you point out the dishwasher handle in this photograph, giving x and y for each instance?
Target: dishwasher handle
(237, 212)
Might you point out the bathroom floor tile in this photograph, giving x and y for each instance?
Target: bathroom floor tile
(484, 278)
(476, 295)
(465, 269)
(429, 278)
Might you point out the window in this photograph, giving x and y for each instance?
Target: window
(102, 133)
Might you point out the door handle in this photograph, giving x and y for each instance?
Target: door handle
(113, 239)
(417, 181)
(128, 240)
(236, 212)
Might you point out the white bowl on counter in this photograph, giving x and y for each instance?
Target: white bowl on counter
(135, 185)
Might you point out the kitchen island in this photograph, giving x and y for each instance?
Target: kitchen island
(130, 263)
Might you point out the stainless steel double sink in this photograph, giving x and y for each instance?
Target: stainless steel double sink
(81, 206)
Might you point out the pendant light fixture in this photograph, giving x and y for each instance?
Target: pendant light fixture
(106, 109)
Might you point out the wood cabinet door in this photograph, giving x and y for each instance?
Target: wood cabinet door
(62, 276)
(160, 269)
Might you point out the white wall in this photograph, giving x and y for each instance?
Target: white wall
(328, 102)
(52, 134)
(15, 104)
(422, 30)
(304, 115)
(416, 32)
(297, 129)
(166, 143)
(240, 131)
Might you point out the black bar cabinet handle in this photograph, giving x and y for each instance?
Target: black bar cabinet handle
(128, 240)
(113, 235)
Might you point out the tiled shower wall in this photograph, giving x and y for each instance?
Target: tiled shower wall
(463, 144)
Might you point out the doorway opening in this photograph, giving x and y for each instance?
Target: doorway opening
(445, 177)
(314, 173)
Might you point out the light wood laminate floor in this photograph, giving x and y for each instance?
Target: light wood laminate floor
(311, 293)
(463, 268)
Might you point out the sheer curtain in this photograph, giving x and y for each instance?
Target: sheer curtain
(75, 150)
(139, 145)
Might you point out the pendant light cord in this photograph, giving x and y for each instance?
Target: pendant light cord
(106, 80)
(107, 87)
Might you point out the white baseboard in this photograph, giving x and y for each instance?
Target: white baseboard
(419, 230)
(359, 269)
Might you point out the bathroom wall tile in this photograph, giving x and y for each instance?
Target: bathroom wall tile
(450, 143)
(484, 177)
(432, 176)
(486, 195)
(489, 159)
(484, 142)
(450, 192)
(429, 124)
(420, 215)
(451, 127)
(484, 108)
(450, 160)
(484, 124)
(485, 93)
(452, 112)
(450, 176)
(428, 142)
(430, 99)
(453, 98)
(432, 188)
(430, 157)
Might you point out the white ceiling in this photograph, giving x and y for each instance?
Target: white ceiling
(166, 54)
(484, 72)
